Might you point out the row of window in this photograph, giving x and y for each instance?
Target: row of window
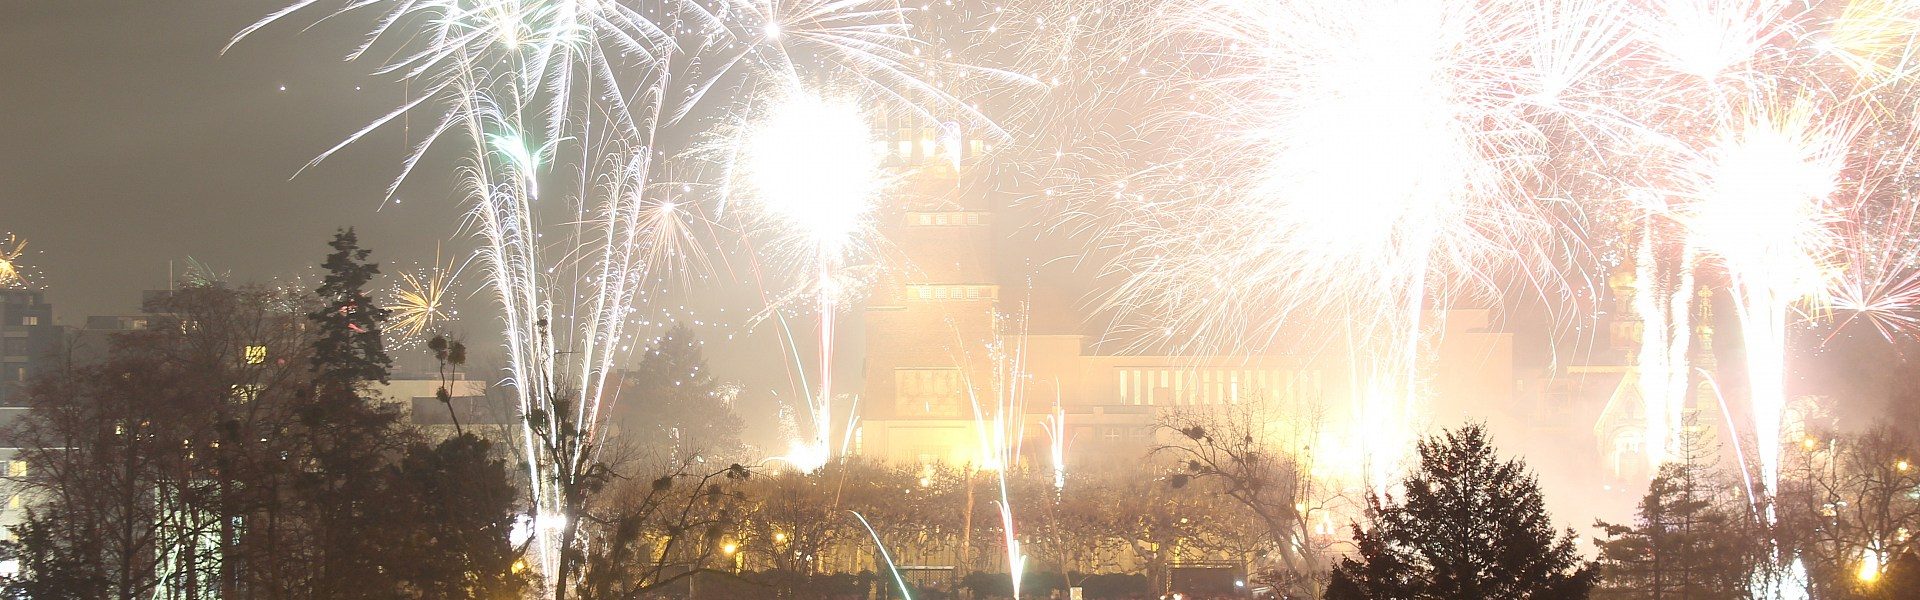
(915, 144)
(933, 291)
(1172, 386)
(946, 218)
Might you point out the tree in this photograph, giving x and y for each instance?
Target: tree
(348, 439)
(1471, 527)
(652, 534)
(349, 351)
(1849, 511)
(673, 406)
(142, 467)
(1694, 539)
(1231, 454)
(458, 504)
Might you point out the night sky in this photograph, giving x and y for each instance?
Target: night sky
(136, 144)
(134, 141)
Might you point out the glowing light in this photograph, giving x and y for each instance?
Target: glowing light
(1762, 206)
(812, 168)
(11, 249)
(256, 355)
(419, 302)
(1871, 565)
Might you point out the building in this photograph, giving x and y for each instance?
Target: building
(944, 344)
(30, 345)
(29, 341)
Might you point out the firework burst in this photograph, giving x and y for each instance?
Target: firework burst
(421, 302)
(12, 248)
(560, 104)
(1349, 165)
(1761, 203)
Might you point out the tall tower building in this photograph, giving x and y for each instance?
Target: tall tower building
(931, 315)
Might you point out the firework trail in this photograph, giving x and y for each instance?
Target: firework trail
(1000, 424)
(1056, 426)
(905, 592)
(559, 104)
(1663, 301)
(1761, 203)
(1347, 166)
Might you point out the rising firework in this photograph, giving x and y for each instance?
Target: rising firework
(1350, 163)
(1762, 204)
(811, 178)
(537, 88)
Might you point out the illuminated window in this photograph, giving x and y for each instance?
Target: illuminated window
(30, 320)
(16, 468)
(256, 355)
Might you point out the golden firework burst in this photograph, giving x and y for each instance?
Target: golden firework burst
(420, 302)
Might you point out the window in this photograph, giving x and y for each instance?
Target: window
(931, 391)
(30, 320)
(16, 468)
(926, 291)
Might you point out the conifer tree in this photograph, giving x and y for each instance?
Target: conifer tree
(1471, 527)
(1693, 538)
(349, 350)
(350, 439)
(672, 403)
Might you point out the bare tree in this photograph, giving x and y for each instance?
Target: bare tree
(1233, 454)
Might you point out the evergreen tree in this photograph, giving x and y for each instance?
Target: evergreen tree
(1691, 541)
(1471, 527)
(350, 439)
(349, 350)
(674, 405)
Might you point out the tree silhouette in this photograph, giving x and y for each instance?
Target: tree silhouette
(1471, 527)
(672, 406)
